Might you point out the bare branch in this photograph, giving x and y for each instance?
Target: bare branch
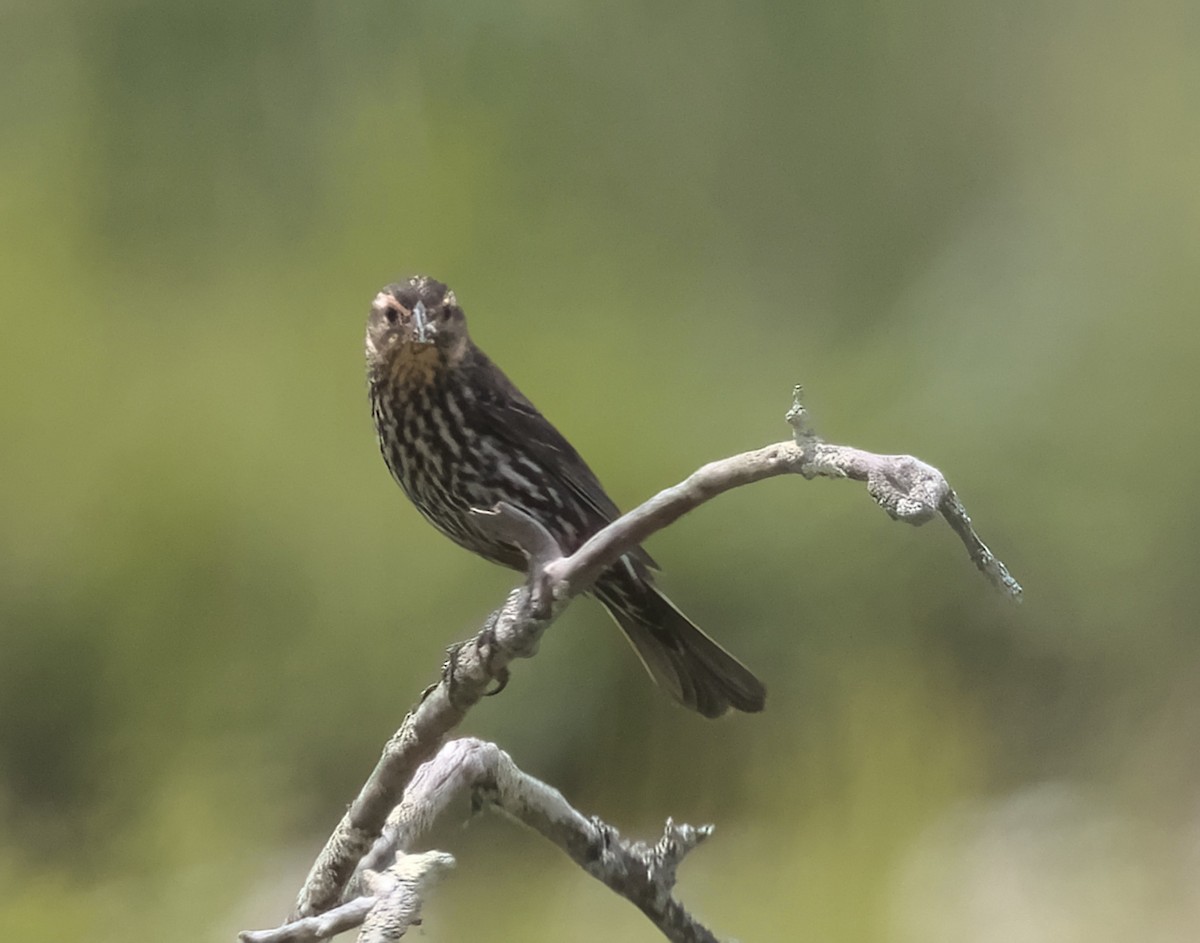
(391, 906)
(992, 567)
(312, 929)
(905, 487)
(399, 893)
(642, 874)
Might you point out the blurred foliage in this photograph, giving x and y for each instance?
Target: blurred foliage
(968, 229)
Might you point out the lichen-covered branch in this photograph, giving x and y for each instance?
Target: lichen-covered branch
(905, 487)
(390, 907)
(344, 917)
(512, 631)
(642, 874)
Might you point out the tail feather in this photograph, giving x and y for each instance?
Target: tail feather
(689, 665)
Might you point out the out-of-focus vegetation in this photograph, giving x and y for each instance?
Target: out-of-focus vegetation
(970, 229)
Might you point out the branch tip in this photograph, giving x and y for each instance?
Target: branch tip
(906, 488)
(987, 562)
(800, 420)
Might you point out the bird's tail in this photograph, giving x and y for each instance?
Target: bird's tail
(689, 665)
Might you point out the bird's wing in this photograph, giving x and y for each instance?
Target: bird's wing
(520, 423)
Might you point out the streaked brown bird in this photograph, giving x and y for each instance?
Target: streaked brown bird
(457, 434)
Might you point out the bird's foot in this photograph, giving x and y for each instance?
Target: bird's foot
(502, 676)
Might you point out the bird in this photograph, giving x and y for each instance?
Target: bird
(457, 435)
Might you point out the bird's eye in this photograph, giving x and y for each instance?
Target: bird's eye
(392, 315)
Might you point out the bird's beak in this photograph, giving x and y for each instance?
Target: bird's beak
(423, 329)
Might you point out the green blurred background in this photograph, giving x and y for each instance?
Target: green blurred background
(970, 229)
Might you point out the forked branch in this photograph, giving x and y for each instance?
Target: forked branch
(906, 488)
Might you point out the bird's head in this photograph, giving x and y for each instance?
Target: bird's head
(415, 326)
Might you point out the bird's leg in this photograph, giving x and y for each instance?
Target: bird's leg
(541, 591)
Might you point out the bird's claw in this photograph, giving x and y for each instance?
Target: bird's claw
(488, 649)
(502, 678)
